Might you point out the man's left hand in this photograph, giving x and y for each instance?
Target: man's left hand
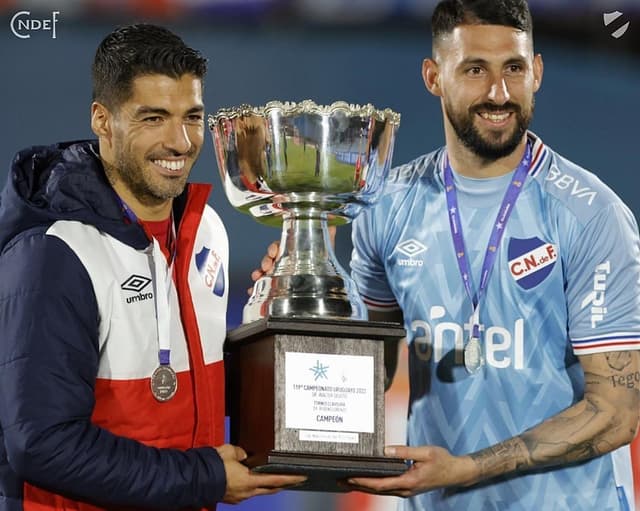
(432, 467)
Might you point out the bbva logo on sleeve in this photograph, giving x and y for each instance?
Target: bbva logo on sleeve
(531, 260)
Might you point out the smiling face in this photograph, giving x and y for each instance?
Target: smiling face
(150, 143)
(486, 77)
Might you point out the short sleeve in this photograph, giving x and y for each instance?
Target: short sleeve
(367, 264)
(603, 283)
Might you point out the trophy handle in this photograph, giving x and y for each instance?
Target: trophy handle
(307, 281)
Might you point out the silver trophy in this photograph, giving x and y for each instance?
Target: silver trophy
(304, 166)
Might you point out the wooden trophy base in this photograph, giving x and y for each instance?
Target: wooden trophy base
(257, 393)
(324, 473)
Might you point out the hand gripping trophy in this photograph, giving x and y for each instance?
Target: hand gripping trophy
(306, 368)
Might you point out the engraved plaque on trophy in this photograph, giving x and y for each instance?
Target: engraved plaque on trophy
(305, 370)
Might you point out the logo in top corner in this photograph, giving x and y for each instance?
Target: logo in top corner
(211, 269)
(531, 260)
(22, 24)
(411, 248)
(610, 17)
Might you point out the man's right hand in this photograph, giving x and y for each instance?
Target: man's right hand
(267, 264)
(243, 484)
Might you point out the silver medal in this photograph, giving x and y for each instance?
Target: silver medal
(473, 359)
(164, 383)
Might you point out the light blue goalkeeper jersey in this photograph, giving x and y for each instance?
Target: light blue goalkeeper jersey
(565, 283)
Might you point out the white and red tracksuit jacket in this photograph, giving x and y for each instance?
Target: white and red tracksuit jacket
(79, 426)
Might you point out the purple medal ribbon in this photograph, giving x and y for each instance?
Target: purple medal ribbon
(162, 281)
(164, 356)
(508, 203)
(128, 212)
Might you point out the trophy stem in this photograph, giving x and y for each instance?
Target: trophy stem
(305, 246)
(307, 281)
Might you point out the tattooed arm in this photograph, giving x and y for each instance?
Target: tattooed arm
(605, 419)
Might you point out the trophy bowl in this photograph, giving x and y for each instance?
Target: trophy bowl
(303, 167)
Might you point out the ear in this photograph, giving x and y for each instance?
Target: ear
(538, 71)
(101, 120)
(431, 76)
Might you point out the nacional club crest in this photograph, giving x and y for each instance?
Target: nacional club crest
(211, 270)
(531, 260)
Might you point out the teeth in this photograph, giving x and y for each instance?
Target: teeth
(494, 117)
(170, 164)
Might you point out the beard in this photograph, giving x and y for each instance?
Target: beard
(489, 147)
(143, 183)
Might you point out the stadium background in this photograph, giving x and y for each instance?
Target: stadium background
(361, 51)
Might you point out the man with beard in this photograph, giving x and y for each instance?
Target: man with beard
(516, 275)
(113, 283)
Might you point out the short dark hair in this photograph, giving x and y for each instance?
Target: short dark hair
(136, 50)
(450, 14)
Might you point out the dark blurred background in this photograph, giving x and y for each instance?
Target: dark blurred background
(360, 51)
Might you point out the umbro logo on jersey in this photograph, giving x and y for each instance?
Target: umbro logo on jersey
(411, 248)
(531, 260)
(137, 283)
(211, 269)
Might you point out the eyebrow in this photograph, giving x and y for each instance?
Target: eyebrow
(483, 62)
(473, 61)
(146, 110)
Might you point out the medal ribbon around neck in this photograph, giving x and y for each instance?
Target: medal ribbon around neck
(473, 350)
(164, 381)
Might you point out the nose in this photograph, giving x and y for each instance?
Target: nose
(177, 138)
(498, 91)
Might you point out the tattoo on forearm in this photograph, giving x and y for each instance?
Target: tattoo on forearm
(560, 452)
(618, 360)
(535, 449)
(605, 418)
(629, 380)
(508, 456)
(570, 428)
